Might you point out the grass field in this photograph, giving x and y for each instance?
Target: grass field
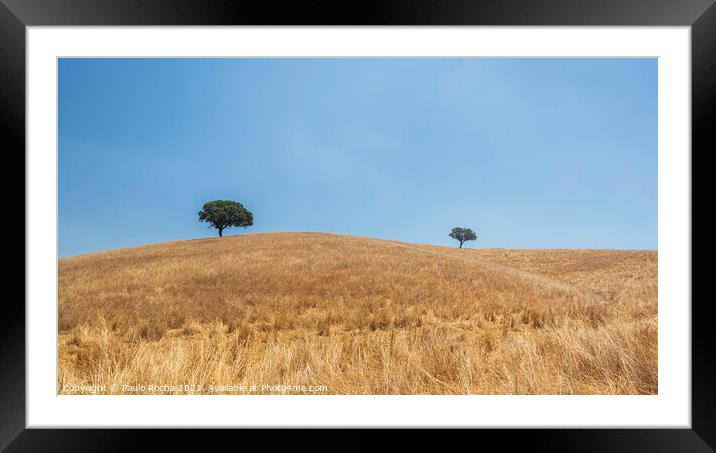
(352, 315)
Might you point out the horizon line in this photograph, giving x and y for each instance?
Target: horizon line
(149, 244)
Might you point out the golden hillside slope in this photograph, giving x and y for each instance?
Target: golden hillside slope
(352, 315)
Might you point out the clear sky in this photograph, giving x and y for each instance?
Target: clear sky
(529, 153)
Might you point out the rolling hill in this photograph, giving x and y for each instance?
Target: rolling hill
(322, 313)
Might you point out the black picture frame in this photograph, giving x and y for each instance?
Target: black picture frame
(16, 15)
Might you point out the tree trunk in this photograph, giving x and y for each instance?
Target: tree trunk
(221, 232)
(461, 242)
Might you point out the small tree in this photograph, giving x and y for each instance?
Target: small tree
(222, 214)
(462, 235)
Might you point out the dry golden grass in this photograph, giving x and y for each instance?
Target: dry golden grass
(358, 316)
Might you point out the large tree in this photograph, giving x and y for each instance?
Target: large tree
(462, 235)
(222, 214)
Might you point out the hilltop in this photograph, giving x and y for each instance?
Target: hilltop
(359, 315)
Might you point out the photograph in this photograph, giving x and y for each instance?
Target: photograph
(357, 226)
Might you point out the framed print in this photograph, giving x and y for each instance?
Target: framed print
(470, 216)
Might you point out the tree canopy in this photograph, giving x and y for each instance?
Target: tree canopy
(462, 235)
(222, 214)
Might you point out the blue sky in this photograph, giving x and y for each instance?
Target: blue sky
(529, 153)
